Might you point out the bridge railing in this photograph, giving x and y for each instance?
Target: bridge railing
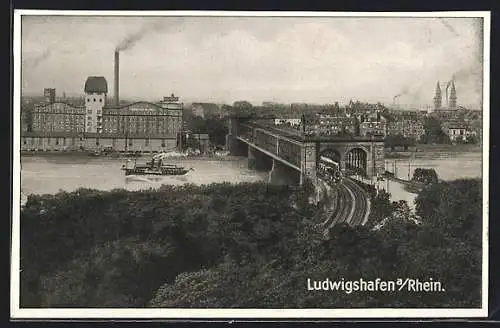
(246, 132)
(271, 142)
(266, 141)
(312, 133)
(290, 152)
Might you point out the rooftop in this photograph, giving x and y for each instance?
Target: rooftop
(96, 84)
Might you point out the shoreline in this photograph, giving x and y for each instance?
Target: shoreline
(425, 150)
(123, 157)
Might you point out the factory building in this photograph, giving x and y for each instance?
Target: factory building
(49, 95)
(96, 89)
(141, 126)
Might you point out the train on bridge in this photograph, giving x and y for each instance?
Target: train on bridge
(329, 170)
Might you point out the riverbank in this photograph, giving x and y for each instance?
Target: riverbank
(80, 154)
(423, 150)
(413, 187)
(459, 148)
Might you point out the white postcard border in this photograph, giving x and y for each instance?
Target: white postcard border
(17, 313)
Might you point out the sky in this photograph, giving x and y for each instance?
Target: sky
(282, 59)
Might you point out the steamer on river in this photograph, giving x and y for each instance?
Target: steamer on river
(155, 166)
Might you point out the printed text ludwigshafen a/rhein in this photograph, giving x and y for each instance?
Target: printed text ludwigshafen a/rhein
(376, 285)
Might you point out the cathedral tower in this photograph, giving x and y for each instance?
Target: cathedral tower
(437, 97)
(453, 96)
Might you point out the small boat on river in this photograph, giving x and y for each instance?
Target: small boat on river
(155, 166)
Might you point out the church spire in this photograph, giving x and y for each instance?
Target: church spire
(453, 95)
(437, 97)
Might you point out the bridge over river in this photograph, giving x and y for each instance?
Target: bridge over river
(291, 157)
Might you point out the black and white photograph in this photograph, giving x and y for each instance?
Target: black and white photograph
(217, 164)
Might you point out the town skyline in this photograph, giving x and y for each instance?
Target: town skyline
(258, 59)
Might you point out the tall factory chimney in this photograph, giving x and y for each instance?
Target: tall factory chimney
(117, 78)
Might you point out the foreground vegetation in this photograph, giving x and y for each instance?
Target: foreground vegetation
(246, 245)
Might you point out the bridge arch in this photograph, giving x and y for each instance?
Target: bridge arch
(332, 153)
(351, 147)
(356, 160)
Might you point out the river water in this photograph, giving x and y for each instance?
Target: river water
(448, 166)
(50, 174)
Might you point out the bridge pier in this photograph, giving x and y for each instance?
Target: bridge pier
(370, 172)
(251, 158)
(259, 161)
(308, 162)
(236, 147)
(281, 174)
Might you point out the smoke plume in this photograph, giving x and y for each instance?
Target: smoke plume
(34, 62)
(449, 27)
(131, 40)
(403, 92)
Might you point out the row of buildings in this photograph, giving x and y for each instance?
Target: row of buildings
(396, 123)
(361, 119)
(140, 126)
(370, 124)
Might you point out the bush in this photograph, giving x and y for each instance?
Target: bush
(426, 176)
(224, 245)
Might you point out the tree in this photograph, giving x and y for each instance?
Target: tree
(380, 207)
(433, 132)
(453, 208)
(123, 273)
(392, 141)
(426, 176)
(242, 105)
(246, 246)
(215, 127)
(217, 130)
(472, 139)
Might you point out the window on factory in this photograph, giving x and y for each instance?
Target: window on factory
(89, 111)
(24, 142)
(163, 143)
(89, 118)
(97, 142)
(146, 142)
(100, 100)
(130, 142)
(48, 141)
(94, 99)
(57, 141)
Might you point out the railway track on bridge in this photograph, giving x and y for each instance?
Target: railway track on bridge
(352, 205)
(361, 203)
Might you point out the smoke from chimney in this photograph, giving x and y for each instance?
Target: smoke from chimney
(117, 78)
(131, 39)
